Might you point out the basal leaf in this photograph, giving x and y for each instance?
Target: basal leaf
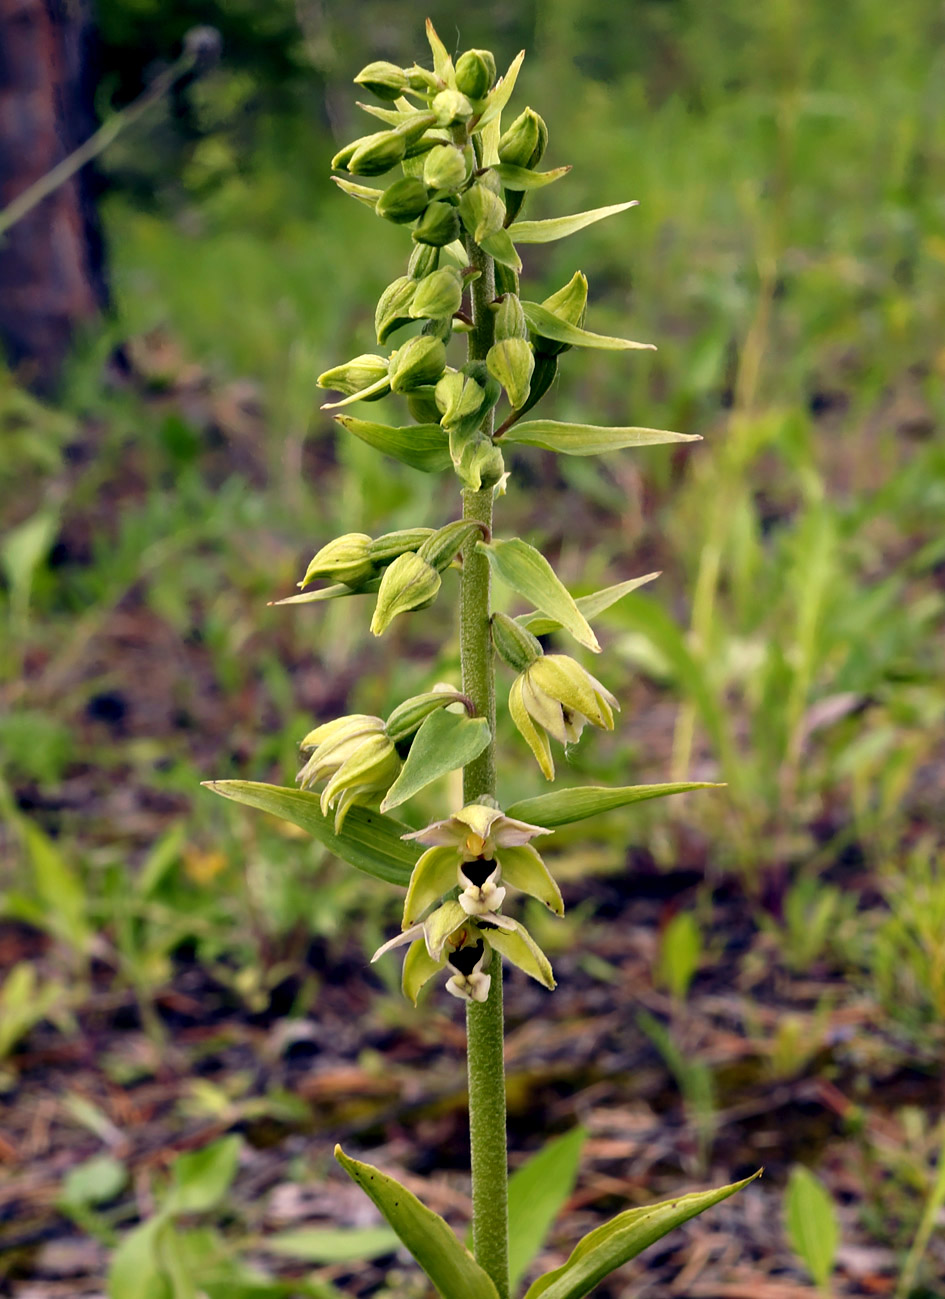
(422, 446)
(369, 841)
(544, 322)
(589, 605)
(448, 1263)
(565, 806)
(444, 742)
(522, 178)
(526, 571)
(588, 439)
(624, 1237)
(537, 1192)
(543, 232)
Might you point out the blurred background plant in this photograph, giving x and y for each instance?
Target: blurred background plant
(788, 254)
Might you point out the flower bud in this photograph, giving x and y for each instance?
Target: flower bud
(392, 544)
(514, 643)
(451, 106)
(358, 759)
(403, 201)
(438, 226)
(346, 559)
(356, 375)
(423, 261)
(385, 80)
(409, 583)
(420, 361)
(444, 168)
(475, 73)
(377, 153)
(393, 307)
(442, 548)
(509, 318)
(458, 398)
(512, 362)
(477, 460)
(440, 294)
(413, 128)
(568, 304)
(482, 211)
(524, 142)
(422, 405)
(408, 716)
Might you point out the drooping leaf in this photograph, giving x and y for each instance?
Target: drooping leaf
(203, 1177)
(624, 1237)
(444, 742)
(513, 177)
(543, 232)
(537, 1192)
(812, 1223)
(589, 439)
(332, 1244)
(369, 841)
(526, 571)
(422, 446)
(544, 322)
(430, 1240)
(565, 806)
(589, 605)
(501, 93)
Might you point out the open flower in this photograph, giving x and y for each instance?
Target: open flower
(357, 757)
(480, 849)
(560, 696)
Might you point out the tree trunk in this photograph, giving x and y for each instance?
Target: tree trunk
(51, 261)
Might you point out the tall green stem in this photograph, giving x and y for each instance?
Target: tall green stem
(485, 1029)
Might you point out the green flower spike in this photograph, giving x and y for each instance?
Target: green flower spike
(476, 849)
(555, 696)
(357, 757)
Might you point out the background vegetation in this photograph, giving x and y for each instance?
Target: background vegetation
(755, 976)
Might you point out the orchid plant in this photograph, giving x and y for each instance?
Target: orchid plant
(461, 179)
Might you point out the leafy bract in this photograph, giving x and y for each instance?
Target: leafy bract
(608, 1247)
(431, 1241)
(537, 1192)
(589, 605)
(589, 439)
(501, 93)
(422, 446)
(526, 571)
(543, 232)
(336, 592)
(513, 177)
(549, 325)
(369, 841)
(565, 806)
(444, 742)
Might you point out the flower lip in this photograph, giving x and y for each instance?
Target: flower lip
(478, 871)
(465, 959)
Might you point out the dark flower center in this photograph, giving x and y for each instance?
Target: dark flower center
(478, 871)
(467, 958)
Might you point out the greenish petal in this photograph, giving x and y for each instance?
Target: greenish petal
(433, 875)
(517, 945)
(523, 868)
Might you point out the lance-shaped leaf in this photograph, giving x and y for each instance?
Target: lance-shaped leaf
(502, 92)
(526, 571)
(589, 605)
(444, 742)
(369, 841)
(537, 1192)
(564, 806)
(513, 177)
(544, 232)
(548, 325)
(422, 446)
(431, 1241)
(608, 1247)
(589, 439)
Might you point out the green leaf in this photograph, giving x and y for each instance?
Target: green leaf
(60, 889)
(543, 232)
(501, 93)
(608, 1247)
(447, 1262)
(526, 571)
(444, 742)
(332, 1245)
(513, 177)
(544, 322)
(336, 592)
(501, 247)
(812, 1223)
(589, 439)
(422, 446)
(564, 806)
(135, 1272)
(680, 953)
(95, 1181)
(203, 1177)
(369, 841)
(589, 605)
(537, 1192)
